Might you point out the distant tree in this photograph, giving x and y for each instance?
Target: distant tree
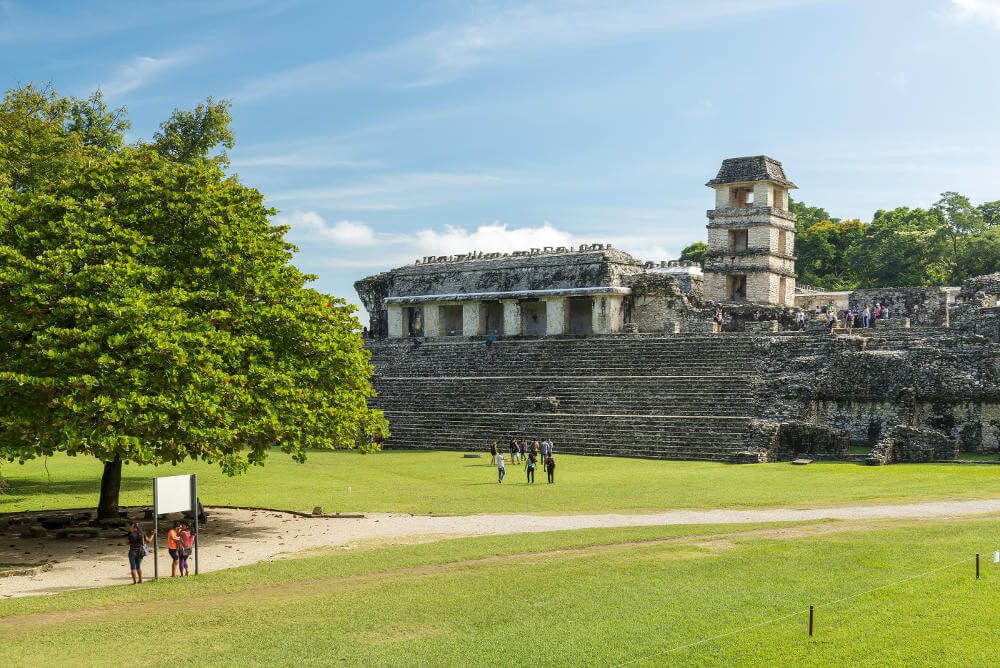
(149, 312)
(990, 213)
(901, 247)
(821, 253)
(189, 136)
(807, 216)
(695, 252)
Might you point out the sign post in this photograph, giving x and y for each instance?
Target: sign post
(174, 494)
(156, 530)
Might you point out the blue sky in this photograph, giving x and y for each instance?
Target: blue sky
(386, 131)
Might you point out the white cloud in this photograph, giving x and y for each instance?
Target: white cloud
(985, 10)
(492, 238)
(310, 226)
(450, 52)
(143, 69)
(355, 244)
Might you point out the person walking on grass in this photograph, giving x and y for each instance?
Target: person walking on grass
(529, 467)
(501, 471)
(137, 541)
(173, 542)
(524, 448)
(513, 451)
(185, 548)
(537, 451)
(550, 468)
(493, 453)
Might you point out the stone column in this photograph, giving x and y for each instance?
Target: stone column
(395, 321)
(472, 318)
(432, 320)
(763, 194)
(512, 324)
(607, 314)
(556, 315)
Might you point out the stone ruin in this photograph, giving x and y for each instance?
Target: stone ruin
(606, 354)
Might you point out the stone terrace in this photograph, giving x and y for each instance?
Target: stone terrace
(669, 397)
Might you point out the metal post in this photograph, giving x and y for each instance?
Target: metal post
(810, 621)
(977, 565)
(156, 529)
(194, 505)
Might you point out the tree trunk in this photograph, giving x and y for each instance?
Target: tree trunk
(111, 482)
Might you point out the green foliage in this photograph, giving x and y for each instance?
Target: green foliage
(148, 309)
(95, 126)
(695, 252)
(943, 245)
(189, 136)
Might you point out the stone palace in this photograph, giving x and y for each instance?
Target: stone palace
(609, 355)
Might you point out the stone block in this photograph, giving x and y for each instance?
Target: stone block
(762, 326)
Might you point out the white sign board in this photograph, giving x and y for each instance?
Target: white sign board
(173, 494)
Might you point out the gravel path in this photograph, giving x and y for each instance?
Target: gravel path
(241, 537)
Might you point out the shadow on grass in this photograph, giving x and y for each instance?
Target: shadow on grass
(24, 490)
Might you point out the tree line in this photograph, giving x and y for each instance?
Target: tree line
(942, 245)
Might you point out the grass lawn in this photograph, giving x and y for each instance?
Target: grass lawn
(591, 597)
(445, 483)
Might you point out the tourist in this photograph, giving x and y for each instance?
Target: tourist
(184, 550)
(831, 320)
(173, 541)
(489, 340)
(866, 317)
(547, 447)
(137, 541)
(501, 471)
(849, 320)
(529, 466)
(493, 453)
(878, 311)
(885, 313)
(800, 319)
(550, 468)
(719, 318)
(513, 450)
(536, 450)
(524, 449)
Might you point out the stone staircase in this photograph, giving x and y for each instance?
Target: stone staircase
(668, 397)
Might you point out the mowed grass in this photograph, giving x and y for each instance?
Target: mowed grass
(596, 597)
(446, 483)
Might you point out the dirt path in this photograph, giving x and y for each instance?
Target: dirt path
(240, 537)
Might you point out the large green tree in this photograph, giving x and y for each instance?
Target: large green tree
(149, 312)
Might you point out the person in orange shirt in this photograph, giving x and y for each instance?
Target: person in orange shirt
(173, 542)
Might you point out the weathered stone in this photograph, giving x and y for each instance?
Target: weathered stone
(33, 531)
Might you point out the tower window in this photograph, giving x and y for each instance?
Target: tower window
(738, 240)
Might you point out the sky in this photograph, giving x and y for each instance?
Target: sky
(387, 131)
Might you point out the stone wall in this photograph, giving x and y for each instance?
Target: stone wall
(810, 300)
(925, 307)
(939, 381)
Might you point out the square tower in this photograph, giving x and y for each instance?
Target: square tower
(751, 234)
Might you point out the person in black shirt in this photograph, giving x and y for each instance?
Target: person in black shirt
(550, 468)
(137, 540)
